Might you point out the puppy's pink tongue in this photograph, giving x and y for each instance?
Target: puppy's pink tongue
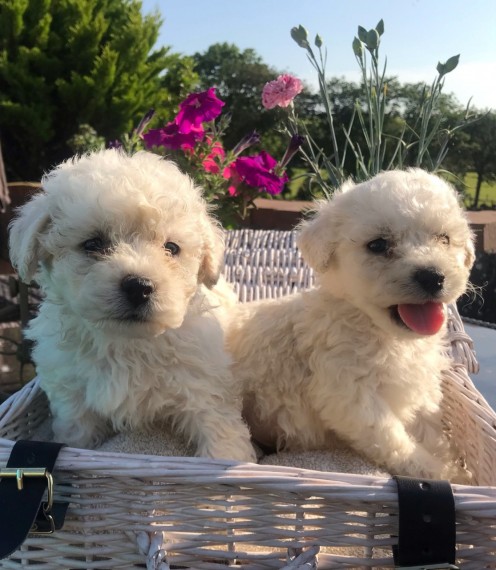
(425, 319)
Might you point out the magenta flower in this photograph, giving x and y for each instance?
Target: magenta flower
(259, 171)
(198, 108)
(170, 137)
(281, 91)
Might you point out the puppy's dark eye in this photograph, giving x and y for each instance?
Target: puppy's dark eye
(172, 248)
(96, 245)
(379, 245)
(443, 238)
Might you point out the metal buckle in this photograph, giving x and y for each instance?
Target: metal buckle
(20, 473)
(429, 567)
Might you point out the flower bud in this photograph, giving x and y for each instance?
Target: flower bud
(246, 142)
(300, 36)
(362, 34)
(318, 41)
(357, 47)
(144, 122)
(115, 144)
(293, 146)
(450, 65)
(372, 40)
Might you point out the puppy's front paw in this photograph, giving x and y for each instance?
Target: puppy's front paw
(223, 435)
(458, 474)
(87, 432)
(235, 450)
(245, 453)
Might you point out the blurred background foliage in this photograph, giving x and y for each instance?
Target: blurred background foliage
(76, 74)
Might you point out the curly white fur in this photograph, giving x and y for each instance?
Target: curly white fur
(129, 331)
(339, 360)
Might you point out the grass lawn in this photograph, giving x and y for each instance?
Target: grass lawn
(487, 194)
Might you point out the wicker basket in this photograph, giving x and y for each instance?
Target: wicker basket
(138, 511)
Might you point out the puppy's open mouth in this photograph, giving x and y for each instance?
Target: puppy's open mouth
(422, 318)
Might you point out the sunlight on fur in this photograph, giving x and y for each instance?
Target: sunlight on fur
(359, 358)
(129, 330)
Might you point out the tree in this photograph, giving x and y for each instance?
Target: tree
(239, 77)
(67, 63)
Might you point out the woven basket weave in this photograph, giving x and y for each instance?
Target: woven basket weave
(137, 511)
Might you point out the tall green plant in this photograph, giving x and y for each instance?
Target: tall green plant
(423, 143)
(67, 63)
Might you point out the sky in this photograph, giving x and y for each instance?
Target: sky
(418, 34)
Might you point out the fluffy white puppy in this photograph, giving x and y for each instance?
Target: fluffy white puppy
(360, 356)
(125, 252)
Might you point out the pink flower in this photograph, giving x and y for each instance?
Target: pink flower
(210, 164)
(259, 171)
(170, 137)
(281, 91)
(230, 173)
(198, 108)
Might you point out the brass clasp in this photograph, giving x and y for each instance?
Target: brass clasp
(20, 473)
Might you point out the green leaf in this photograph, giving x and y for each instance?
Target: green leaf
(380, 27)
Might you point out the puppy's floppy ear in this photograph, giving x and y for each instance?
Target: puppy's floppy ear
(213, 252)
(316, 239)
(25, 230)
(470, 251)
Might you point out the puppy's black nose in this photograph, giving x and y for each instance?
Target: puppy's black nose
(137, 289)
(430, 279)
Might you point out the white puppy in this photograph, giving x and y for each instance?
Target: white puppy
(360, 356)
(122, 248)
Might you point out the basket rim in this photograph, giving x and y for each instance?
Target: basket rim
(205, 471)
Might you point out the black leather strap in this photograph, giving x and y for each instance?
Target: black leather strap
(427, 533)
(21, 511)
